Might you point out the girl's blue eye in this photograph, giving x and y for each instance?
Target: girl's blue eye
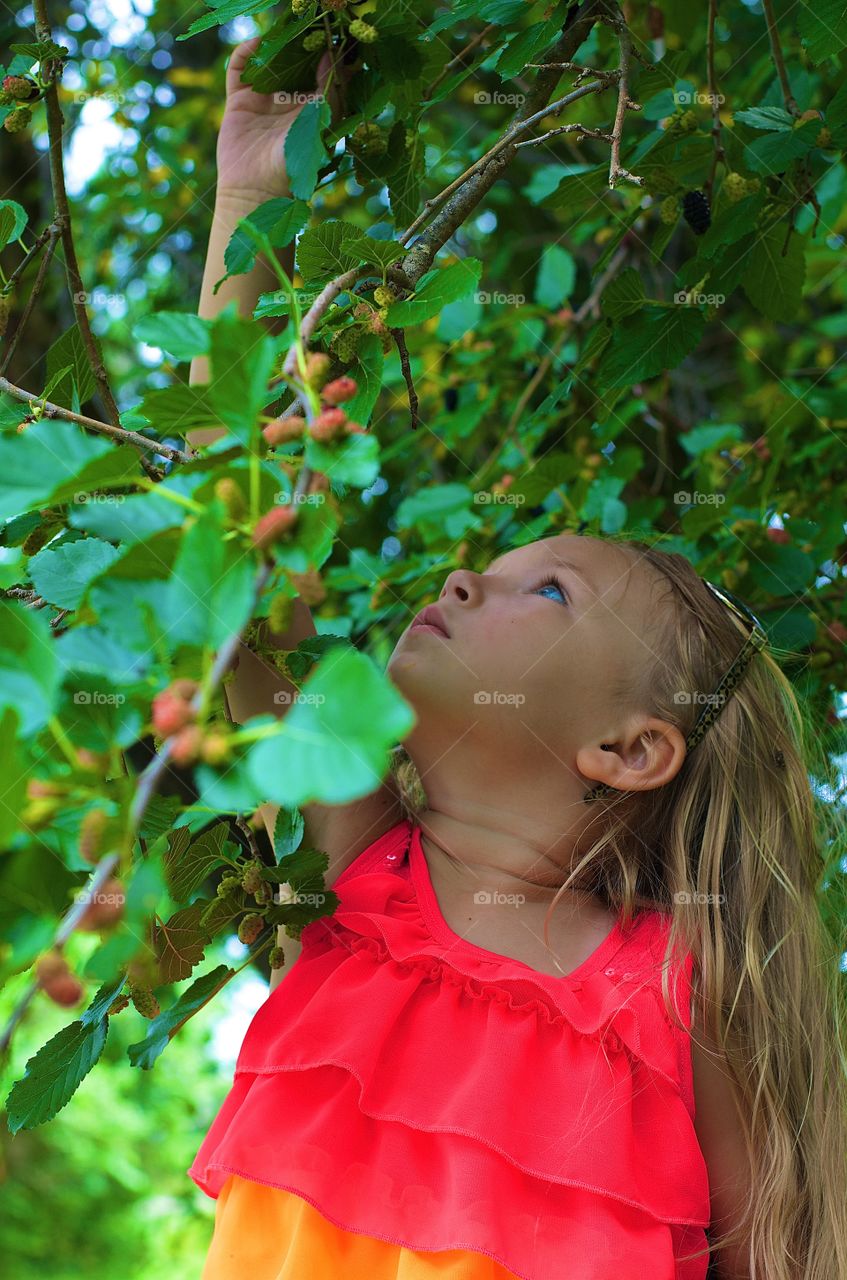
(553, 582)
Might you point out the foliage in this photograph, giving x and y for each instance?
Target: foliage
(548, 328)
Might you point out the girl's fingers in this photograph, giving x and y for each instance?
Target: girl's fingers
(237, 61)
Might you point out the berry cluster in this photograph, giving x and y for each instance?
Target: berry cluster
(174, 718)
(735, 187)
(316, 38)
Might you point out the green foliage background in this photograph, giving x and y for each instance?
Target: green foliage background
(582, 358)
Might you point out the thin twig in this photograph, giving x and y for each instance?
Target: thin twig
(46, 409)
(616, 172)
(779, 61)
(51, 232)
(400, 338)
(31, 300)
(460, 57)
(567, 128)
(719, 155)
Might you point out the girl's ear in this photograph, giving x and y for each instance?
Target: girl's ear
(647, 756)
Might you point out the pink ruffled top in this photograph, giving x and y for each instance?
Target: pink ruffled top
(425, 1091)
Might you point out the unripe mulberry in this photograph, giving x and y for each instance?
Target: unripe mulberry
(824, 138)
(144, 1000)
(299, 6)
(282, 430)
(250, 928)
(339, 390)
(264, 895)
(229, 493)
(688, 121)
(276, 957)
(384, 295)
(274, 525)
(252, 878)
(361, 30)
(309, 587)
(317, 368)
(362, 311)
(345, 343)
(294, 931)
(215, 748)
(229, 881)
(91, 832)
(280, 613)
(314, 40)
(369, 140)
(669, 210)
(326, 425)
(734, 187)
(20, 88)
(105, 908)
(17, 120)
(335, 6)
(119, 1002)
(186, 744)
(753, 185)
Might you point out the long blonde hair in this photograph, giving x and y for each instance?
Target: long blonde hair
(736, 849)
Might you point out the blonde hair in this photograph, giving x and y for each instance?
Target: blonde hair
(736, 849)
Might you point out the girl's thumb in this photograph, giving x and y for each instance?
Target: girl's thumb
(238, 60)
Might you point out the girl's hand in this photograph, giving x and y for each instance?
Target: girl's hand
(251, 139)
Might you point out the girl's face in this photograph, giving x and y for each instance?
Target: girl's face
(522, 688)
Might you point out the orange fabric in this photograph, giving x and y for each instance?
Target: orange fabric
(265, 1233)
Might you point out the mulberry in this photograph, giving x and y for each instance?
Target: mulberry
(228, 882)
(5, 309)
(20, 88)
(282, 430)
(753, 185)
(339, 390)
(326, 426)
(314, 40)
(250, 928)
(363, 31)
(280, 613)
(252, 878)
(695, 210)
(229, 493)
(824, 139)
(688, 121)
(299, 6)
(144, 1000)
(735, 187)
(345, 343)
(119, 1002)
(669, 210)
(273, 526)
(216, 747)
(91, 832)
(384, 295)
(317, 368)
(369, 140)
(276, 958)
(17, 120)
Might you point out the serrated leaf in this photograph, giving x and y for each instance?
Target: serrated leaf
(773, 152)
(29, 669)
(765, 118)
(217, 913)
(648, 342)
(13, 220)
(332, 744)
(180, 942)
(289, 828)
(329, 249)
(280, 219)
(56, 1071)
(623, 295)
(80, 385)
(437, 289)
(304, 147)
(774, 282)
(178, 409)
(164, 1027)
(354, 460)
(178, 333)
(367, 372)
(241, 357)
(186, 868)
(62, 576)
(226, 12)
(210, 592)
(823, 27)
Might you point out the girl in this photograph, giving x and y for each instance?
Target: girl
(576, 1014)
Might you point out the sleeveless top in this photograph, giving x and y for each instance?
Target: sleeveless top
(403, 1091)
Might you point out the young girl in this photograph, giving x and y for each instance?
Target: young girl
(576, 1016)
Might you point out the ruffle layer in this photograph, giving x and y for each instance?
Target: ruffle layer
(372, 1083)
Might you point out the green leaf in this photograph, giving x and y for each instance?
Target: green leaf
(368, 375)
(823, 27)
(773, 152)
(523, 48)
(774, 282)
(444, 506)
(765, 118)
(304, 148)
(13, 770)
(354, 460)
(706, 438)
(242, 357)
(164, 1027)
(13, 220)
(55, 1072)
(40, 50)
(289, 828)
(79, 385)
(330, 248)
(648, 342)
(180, 942)
(62, 576)
(556, 277)
(179, 333)
(226, 12)
(280, 219)
(437, 289)
(211, 587)
(29, 669)
(177, 409)
(332, 744)
(623, 295)
(381, 252)
(782, 570)
(185, 867)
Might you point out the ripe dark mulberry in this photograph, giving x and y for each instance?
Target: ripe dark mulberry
(695, 210)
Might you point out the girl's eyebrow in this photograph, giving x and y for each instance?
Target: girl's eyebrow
(567, 564)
